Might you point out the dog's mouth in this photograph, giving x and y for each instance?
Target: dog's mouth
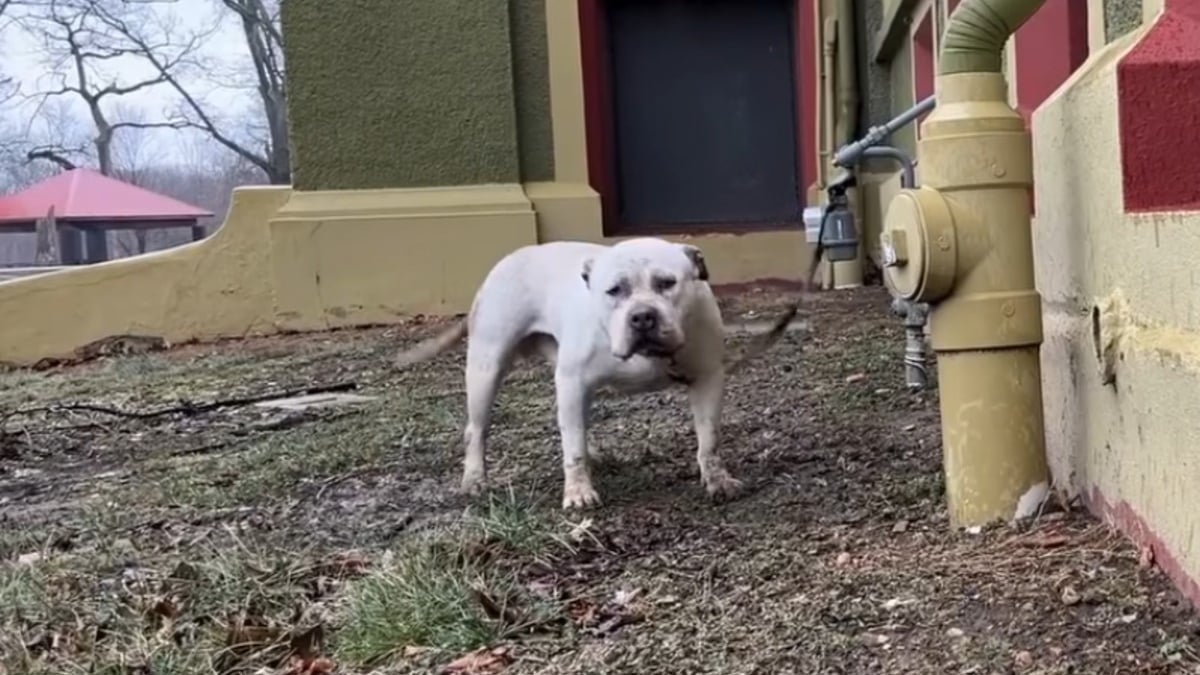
(651, 348)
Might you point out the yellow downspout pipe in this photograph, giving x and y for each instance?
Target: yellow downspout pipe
(829, 110)
(847, 274)
(828, 36)
(963, 243)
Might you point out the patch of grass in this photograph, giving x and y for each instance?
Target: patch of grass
(228, 606)
(426, 597)
(515, 523)
(450, 589)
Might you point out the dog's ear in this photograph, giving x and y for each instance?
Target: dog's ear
(586, 272)
(697, 258)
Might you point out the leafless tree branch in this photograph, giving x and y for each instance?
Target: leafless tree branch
(265, 44)
(52, 155)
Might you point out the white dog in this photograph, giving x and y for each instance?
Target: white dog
(635, 316)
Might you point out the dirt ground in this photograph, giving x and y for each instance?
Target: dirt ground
(153, 519)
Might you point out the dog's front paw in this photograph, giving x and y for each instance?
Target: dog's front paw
(474, 482)
(580, 494)
(720, 485)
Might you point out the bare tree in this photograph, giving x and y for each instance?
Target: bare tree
(259, 20)
(73, 38)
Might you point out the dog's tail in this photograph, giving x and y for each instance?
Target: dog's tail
(431, 347)
(763, 341)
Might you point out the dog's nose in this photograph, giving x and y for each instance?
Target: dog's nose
(644, 320)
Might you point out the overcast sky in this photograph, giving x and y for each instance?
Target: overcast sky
(25, 60)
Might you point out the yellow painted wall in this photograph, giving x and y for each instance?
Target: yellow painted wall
(1131, 281)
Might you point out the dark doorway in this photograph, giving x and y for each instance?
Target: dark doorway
(703, 113)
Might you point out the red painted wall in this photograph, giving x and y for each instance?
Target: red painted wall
(1158, 97)
(1049, 47)
(923, 71)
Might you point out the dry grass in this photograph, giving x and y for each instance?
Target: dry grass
(241, 539)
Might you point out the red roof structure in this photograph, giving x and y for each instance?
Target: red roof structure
(87, 205)
(82, 196)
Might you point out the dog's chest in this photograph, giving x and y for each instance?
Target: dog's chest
(641, 374)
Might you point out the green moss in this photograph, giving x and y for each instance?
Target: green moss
(400, 93)
(531, 80)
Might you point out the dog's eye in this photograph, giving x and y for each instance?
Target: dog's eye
(664, 284)
(614, 291)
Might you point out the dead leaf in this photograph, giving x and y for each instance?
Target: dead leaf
(346, 564)
(857, 377)
(581, 530)
(1047, 541)
(247, 635)
(480, 662)
(1070, 596)
(494, 609)
(317, 666)
(582, 613)
(1146, 557)
(411, 651)
(625, 598)
(615, 622)
(308, 644)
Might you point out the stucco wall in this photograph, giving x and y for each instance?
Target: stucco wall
(1122, 302)
(386, 93)
(531, 82)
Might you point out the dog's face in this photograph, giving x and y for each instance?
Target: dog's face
(645, 288)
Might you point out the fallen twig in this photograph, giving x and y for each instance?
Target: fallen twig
(187, 408)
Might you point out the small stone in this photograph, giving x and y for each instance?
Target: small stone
(975, 530)
(910, 427)
(843, 559)
(874, 639)
(1070, 596)
(1129, 618)
(954, 633)
(857, 377)
(900, 527)
(1023, 659)
(29, 558)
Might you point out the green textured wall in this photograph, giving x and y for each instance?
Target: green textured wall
(902, 97)
(874, 78)
(400, 93)
(531, 79)
(1120, 17)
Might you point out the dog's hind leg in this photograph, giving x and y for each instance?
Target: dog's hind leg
(487, 363)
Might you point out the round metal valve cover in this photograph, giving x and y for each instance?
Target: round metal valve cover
(918, 245)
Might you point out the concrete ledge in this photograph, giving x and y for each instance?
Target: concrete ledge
(361, 257)
(213, 288)
(290, 260)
